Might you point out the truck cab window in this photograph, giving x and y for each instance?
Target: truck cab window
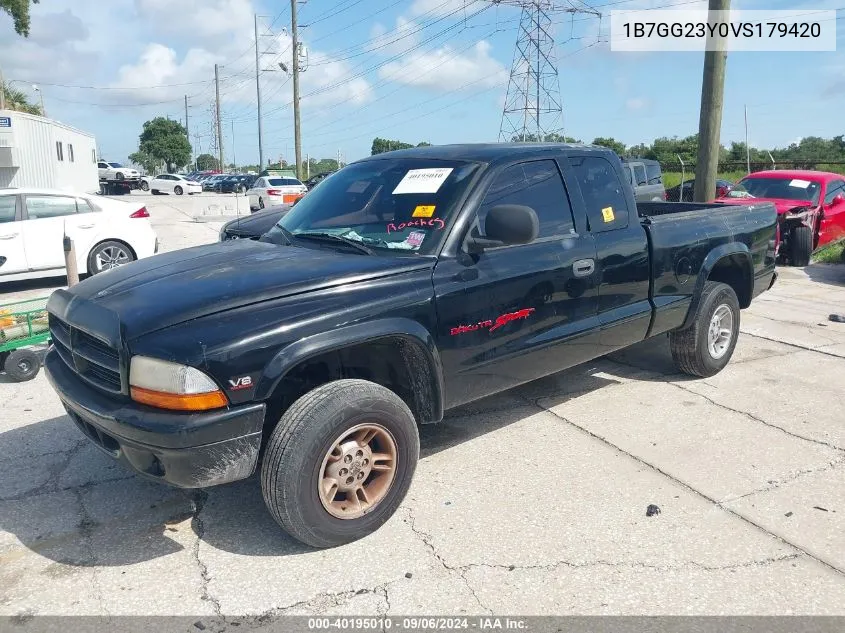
(639, 175)
(602, 191)
(536, 184)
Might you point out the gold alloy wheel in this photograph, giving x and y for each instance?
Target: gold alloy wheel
(358, 471)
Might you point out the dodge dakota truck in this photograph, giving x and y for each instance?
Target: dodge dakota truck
(406, 284)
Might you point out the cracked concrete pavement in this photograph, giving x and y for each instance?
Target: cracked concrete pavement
(529, 502)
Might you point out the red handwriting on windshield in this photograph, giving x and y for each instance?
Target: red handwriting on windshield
(435, 223)
(491, 325)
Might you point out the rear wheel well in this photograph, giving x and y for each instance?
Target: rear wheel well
(98, 244)
(734, 271)
(394, 362)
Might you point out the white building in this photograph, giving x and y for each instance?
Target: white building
(39, 152)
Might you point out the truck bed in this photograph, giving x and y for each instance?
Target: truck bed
(656, 209)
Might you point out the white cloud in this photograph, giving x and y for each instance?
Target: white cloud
(434, 8)
(200, 19)
(444, 70)
(53, 52)
(395, 41)
(636, 104)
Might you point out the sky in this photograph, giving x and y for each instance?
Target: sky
(410, 70)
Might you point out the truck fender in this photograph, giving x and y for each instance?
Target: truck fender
(420, 352)
(736, 250)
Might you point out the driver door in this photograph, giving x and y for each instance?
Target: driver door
(515, 313)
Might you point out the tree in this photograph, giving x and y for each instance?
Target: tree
(151, 164)
(381, 145)
(611, 143)
(207, 162)
(166, 141)
(18, 100)
(19, 10)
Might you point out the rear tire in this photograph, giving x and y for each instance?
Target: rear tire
(108, 255)
(705, 347)
(22, 365)
(261, 203)
(119, 175)
(145, 186)
(800, 245)
(178, 190)
(313, 436)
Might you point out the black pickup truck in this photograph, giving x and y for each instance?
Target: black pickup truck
(406, 284)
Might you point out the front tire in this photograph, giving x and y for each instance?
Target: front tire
(178, 190)
(800, 245)
(339, 462)
(22, 365)
(108, 255)
(706, 347)
(145, 186)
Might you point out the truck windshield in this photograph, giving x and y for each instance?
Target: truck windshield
(394, 205)
(782, 188)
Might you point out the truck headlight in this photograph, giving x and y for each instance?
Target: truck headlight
(166, 385)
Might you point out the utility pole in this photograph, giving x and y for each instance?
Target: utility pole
(307, 166)
(219, 124)
(258, 94)
(710, 118)
(296, 131)
(234, 162)
(187, 131)
(2, 91)
(747, 149)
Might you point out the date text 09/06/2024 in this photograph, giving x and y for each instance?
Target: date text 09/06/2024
(417, 623)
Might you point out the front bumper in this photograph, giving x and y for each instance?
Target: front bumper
(187, 450)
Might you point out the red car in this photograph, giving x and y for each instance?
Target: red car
(810, 206)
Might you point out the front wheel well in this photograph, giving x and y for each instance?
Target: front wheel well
(734, 271)
(394, 362)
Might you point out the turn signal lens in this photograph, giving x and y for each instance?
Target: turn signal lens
(179, 402)
(167, 385)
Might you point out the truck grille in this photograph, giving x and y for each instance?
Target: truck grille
(91, 358)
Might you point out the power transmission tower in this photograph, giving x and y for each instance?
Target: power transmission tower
(533, 107)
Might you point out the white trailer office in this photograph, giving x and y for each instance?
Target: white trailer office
(39, 152)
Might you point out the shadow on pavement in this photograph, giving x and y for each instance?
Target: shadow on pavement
(65, 500)
(833, 274)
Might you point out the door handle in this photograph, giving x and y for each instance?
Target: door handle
(8, 236)
(584, 267)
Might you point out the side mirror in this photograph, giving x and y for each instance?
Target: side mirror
(506, 225)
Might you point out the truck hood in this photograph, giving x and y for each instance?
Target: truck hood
(782, 205)
(172, 288)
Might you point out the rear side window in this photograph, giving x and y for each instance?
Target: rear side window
(7, 208)
(602, 191)
(834, 189)
(535, 184)
(640, 178)
(41, 207)
(653, 173)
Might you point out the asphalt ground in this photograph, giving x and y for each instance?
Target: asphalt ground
(530, 502)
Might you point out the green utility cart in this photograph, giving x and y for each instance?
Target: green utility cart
(23, 324)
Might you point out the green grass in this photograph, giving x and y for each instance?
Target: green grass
(833, 253)
(673, 178)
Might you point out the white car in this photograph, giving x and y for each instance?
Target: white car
(170, 183)
(269, 191)
(106, 233)
(116, 171)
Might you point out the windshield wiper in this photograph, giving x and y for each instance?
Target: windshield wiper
(328, 237)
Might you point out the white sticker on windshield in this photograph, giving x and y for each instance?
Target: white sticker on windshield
(423, 180)
(799, 183)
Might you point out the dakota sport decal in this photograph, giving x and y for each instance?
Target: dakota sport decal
(492, 325)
